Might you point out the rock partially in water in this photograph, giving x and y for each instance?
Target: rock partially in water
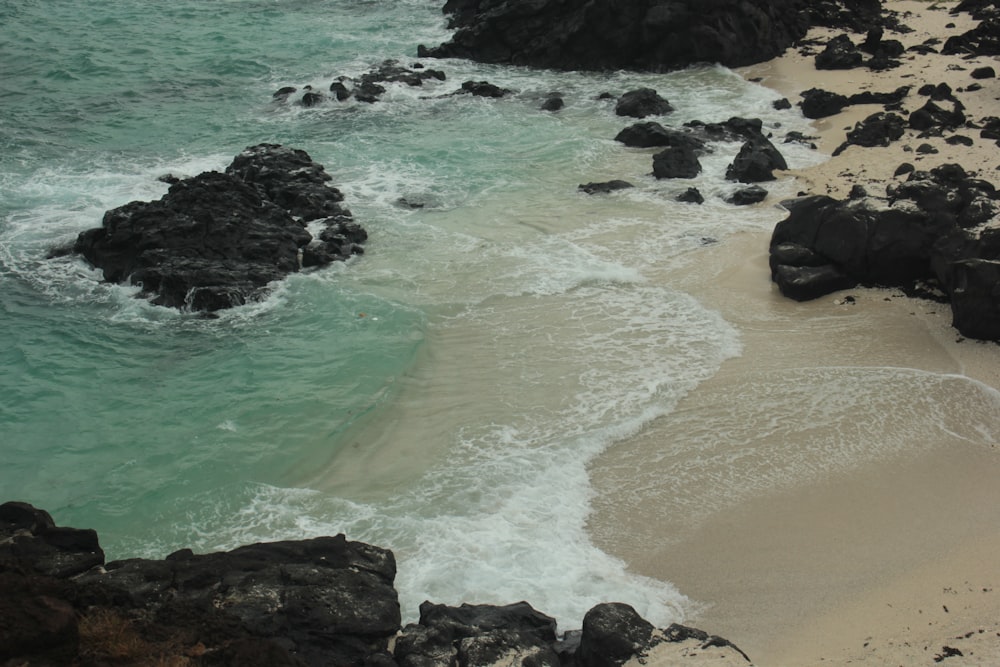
(218, 239)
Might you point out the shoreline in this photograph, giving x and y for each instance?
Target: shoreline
(891, 561)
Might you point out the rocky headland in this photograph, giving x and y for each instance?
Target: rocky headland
(324, 601)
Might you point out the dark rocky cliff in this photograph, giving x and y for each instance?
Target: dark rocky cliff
(638, 34)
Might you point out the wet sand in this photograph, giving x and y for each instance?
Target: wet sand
(863, 532)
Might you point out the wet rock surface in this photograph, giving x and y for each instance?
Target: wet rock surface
(321, 602)
(218, 239)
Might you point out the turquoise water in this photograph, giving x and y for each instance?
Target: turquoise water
(440, 395)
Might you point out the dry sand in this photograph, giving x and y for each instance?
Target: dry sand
(890, 563)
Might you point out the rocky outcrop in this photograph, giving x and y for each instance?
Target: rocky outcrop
(322, 602)
(218, 239)
(934, 230)
(604, 34)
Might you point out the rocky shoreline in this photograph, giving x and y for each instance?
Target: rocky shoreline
(317, 602)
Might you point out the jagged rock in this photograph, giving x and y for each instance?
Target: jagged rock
(607, 35)
(932, 116)
(983, 40)
(612, 634)
(781, 105)
(641, 103)
(308, 603)
(676, 162)
(30, 539)
(216, 240)
(753, 194)
(840, 53)
(879, 129)
(734, 129)
(340, 90)
(648, 134)
(478, 635)
(483, 89)
(605, 187)
(756, 161)
(329, 600)
(868, 97)
(691, 196)
(798, 137)
(854, 15)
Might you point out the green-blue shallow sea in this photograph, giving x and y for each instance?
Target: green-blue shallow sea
(440, 395)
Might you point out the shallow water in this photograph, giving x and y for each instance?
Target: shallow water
(441, 395)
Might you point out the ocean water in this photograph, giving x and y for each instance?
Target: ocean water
(441, 395)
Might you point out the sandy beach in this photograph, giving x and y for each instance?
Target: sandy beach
(890, 559)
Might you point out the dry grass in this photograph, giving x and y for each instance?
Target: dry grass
(108, 637)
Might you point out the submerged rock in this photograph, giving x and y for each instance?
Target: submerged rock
(218, 239)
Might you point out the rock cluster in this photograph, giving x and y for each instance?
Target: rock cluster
(932, 231)
(308, 603)
(366, 88)
(756, 161)
(218, 239)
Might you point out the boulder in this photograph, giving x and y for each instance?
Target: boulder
(819, 103)
(648, 134)
(840, 53)
(753, 194)
(691, 196)
(641, 103)
(608, 35)
(676, 162)
(613, 633)
(218, 239)
(756, 161)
